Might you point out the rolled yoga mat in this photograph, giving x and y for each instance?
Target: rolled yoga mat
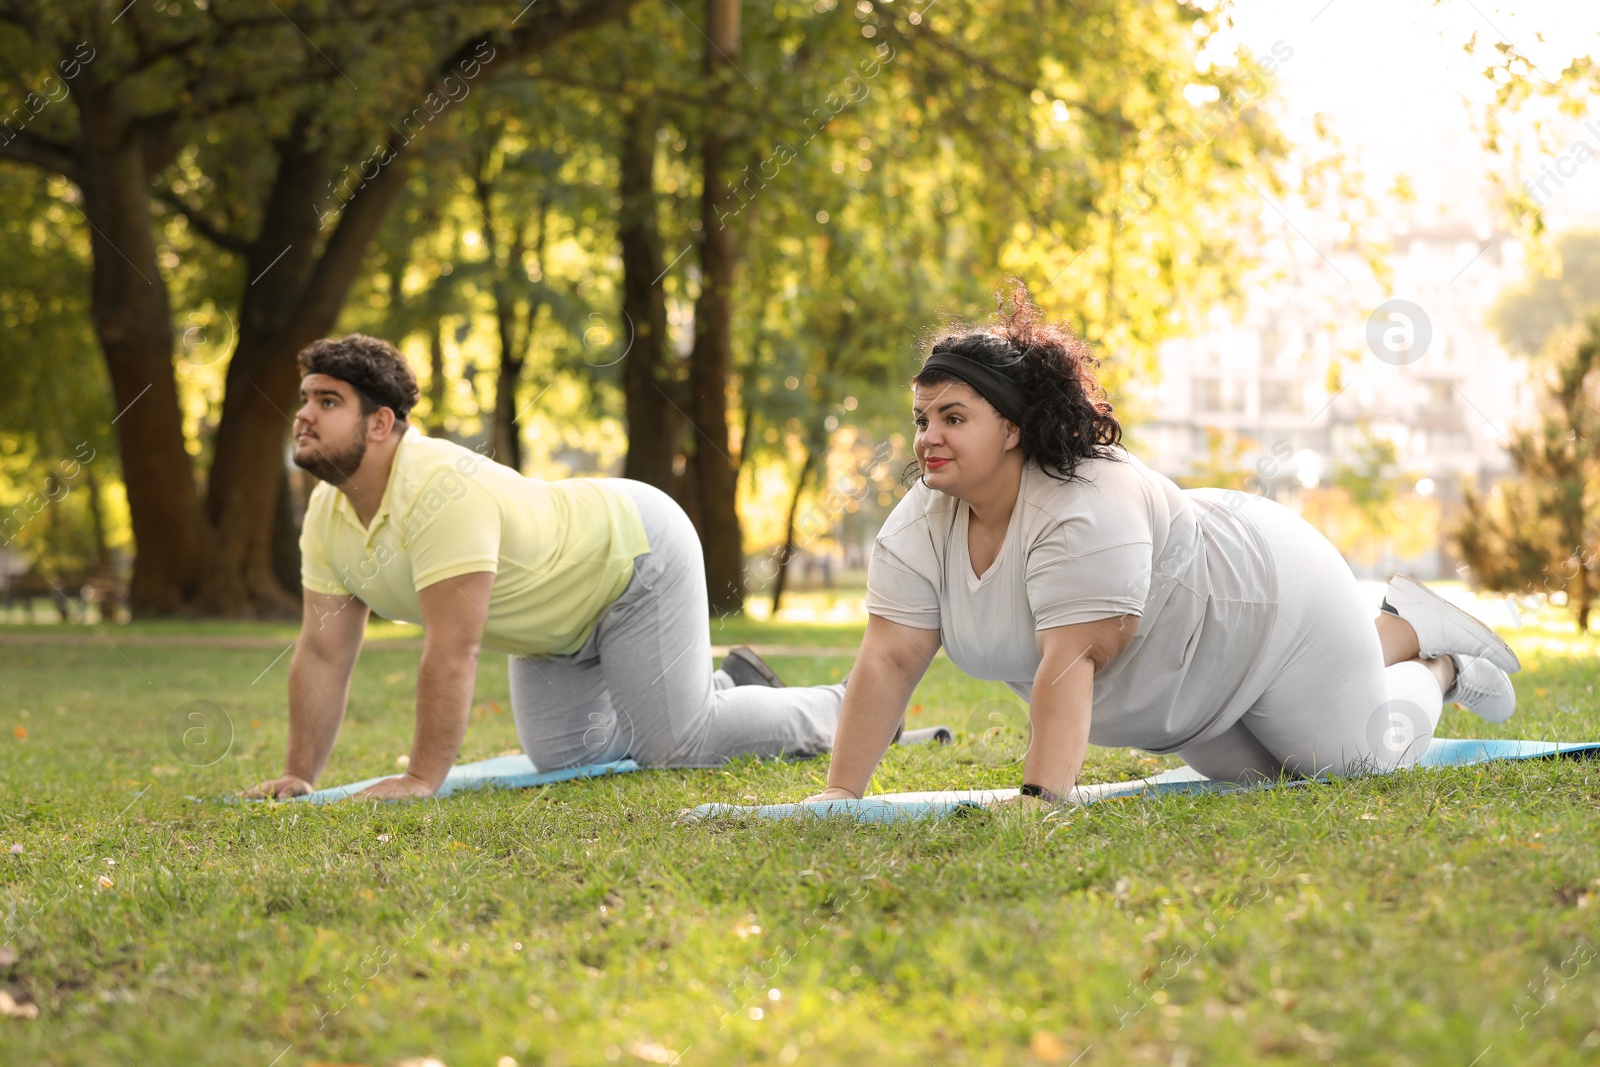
(895, 807)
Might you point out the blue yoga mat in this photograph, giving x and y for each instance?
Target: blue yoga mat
(505, 772)
(895, 807)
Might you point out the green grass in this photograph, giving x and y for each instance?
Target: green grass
(1407, 919)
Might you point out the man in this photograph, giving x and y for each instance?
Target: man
(595, 587)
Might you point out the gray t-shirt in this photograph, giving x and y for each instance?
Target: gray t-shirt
(1123, 540)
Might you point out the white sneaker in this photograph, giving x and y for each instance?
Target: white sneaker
(1482, 688)
(1443, 628)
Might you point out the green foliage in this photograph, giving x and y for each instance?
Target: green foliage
(1537, 535)
(53, 388)
(1223, 465)
(1373, 481)
(54, 398)
(1552, 300)
(895, 162)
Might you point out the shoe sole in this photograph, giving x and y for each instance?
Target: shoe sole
(1492, 646)
(749, 658)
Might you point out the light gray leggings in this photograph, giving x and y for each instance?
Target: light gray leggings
(1330, 705)
(642, 686)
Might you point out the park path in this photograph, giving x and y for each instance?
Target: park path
(79, 638)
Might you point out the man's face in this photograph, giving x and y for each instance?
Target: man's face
(330, 433)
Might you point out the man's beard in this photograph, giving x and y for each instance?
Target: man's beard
(331, 464)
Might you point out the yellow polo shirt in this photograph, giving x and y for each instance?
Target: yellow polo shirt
(561, 551)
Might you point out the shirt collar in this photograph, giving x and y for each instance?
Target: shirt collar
(344, 508)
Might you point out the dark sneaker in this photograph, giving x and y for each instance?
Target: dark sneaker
(746, 668)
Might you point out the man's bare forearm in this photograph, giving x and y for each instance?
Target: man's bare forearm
(318, 692)
(445, 680)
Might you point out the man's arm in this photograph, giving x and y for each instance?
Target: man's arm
(454, 613)
(1063, 696)
(331, 632)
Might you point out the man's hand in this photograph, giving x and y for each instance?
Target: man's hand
(287, 786)
(405, 787)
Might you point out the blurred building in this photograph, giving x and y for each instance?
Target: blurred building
(1306, 379)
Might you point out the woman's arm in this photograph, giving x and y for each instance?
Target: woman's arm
(892, 660)
(1063, 697)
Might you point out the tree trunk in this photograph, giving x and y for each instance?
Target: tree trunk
(507, 278)
(711, 362)
(286, 536)
(436, 383)
(292, 296)
(132, 322)
(655, 425)
(782, 577)
(97, 520)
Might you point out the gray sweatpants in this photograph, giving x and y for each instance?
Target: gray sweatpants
(1329, 705)
(642, 686)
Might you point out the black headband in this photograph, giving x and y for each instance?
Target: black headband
(995, 386)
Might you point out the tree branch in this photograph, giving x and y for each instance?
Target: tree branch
(217, 236)
(546, 23)
(53, 156)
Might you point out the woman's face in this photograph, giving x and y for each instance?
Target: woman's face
(962, 442)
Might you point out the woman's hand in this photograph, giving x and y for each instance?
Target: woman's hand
(833, 792)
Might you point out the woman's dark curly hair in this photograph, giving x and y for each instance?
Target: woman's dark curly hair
(1068, 417)
(375, 369)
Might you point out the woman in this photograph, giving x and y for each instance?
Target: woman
(1210, 623)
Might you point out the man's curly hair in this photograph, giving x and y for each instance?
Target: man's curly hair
(375, 369)
(1068, 417)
